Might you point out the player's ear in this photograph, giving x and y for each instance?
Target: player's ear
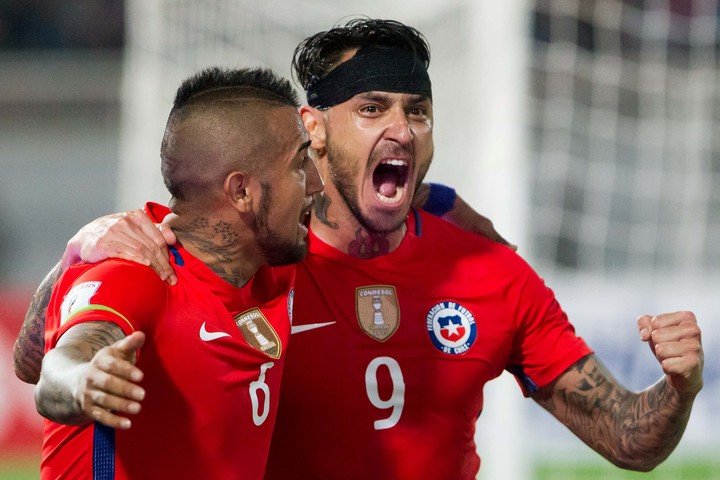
(238, 191)
(314, 122)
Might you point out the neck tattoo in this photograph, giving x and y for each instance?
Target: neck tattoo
(322, 203)
(369, 245)
(218, 245)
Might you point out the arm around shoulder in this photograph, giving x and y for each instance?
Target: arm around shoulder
(89, 373)
(129, 235)
(442, 201)
(29, 347)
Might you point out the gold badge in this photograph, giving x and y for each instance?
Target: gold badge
(258, 332)
(377, 310)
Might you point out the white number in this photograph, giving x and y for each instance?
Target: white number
(259, 384)
(396, 400)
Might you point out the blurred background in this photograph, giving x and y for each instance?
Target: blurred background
(587, 130)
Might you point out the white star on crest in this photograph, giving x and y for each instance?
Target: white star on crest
(452, 328)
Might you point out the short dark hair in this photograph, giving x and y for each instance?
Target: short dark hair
(318, 54)
(260, 83)
(208, 89)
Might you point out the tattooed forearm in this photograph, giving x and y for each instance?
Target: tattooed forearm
(65, 365)
(58, 405)
(30, 345)
(632, 430)
(88, 338)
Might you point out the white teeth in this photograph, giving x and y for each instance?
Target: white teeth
(395, 162)
(394, 200)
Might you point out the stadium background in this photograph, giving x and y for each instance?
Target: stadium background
(587, 130)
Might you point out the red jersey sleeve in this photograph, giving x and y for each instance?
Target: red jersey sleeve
(127, 294)
(545, 344)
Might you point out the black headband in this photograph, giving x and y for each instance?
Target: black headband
(371, 69)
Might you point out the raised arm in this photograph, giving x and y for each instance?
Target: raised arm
(636, 431)
(90, 375)
(129, 235)
(445, 203)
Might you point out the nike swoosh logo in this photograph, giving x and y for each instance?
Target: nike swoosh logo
(310, 326)
(208, 336)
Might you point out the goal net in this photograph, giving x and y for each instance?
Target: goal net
(626, 155)
(625, 181)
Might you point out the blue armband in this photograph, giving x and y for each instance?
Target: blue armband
(440, 200)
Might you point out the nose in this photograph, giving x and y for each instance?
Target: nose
(399, 129)
(313, 182)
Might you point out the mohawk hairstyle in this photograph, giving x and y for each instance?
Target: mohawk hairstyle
(317, 55)
(260, 82)
(206, 90)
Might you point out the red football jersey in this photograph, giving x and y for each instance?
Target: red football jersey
(212, 360)
(389, 356)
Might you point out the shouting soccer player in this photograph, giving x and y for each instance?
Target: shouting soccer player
(401, 318)
(210, 350)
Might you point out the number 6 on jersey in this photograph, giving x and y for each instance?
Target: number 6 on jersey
(397, 398)
(259, 417)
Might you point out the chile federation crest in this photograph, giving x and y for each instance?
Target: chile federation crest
(451, 328)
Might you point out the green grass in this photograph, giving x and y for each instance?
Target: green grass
(685, 469)
(20, 469)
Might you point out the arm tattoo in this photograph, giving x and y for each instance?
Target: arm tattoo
(58, 405)
(30, 345)
(88, 338)
(632, 430)
(320, 207)
(54, 396)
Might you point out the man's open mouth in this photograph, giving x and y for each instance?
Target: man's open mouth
(390, 180)
(305, 213)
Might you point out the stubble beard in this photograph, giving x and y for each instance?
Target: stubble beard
(276, 250)
(342, 177)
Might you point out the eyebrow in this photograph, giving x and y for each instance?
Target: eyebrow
(376, 96)
(417, 98)
(383, 97)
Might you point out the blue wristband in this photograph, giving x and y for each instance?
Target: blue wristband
(440, 200)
